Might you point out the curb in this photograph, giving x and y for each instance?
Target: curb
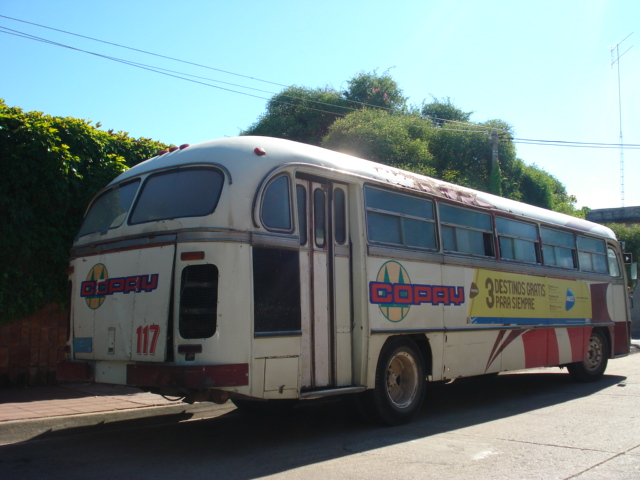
(15, 431)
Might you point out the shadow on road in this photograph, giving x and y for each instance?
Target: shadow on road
(234, 446)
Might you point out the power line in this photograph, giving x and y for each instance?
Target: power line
(179, 75)
(142, 51)
(465, 127)
(33, 37)
(182, 75)
(563, 143)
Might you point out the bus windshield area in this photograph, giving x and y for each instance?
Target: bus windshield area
(177, 193)
(110, 209)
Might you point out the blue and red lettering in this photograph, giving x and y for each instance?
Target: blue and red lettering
(110, 286)
(384, 293)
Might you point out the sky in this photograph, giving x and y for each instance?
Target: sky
(544, 67)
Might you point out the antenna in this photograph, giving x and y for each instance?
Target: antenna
(615, 60)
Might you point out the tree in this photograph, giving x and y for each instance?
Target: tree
(441, 110)
(544, 190)
(373, 90)
(371, 119)
(301, 114)
(51, 168)
(305, 115)
(382, 137)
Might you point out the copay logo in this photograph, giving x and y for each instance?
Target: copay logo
(394, 292)
(571, 300)
(98, 285)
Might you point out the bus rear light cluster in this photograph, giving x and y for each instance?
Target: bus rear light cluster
(186, 256)
(172, 149)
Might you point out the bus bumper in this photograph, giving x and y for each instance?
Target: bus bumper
(159, 376)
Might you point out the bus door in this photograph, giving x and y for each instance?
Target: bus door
(619, 304)
(324, 283)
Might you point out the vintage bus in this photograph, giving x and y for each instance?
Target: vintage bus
(258, 269)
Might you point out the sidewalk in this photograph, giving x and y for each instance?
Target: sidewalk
(30, 412)
(73, 399)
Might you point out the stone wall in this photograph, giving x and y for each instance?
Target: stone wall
(31, 348)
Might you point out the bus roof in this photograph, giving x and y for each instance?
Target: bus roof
(240, 155)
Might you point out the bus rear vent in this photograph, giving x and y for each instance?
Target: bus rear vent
(198, 301)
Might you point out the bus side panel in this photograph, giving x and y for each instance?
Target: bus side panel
(401, 295)
(468, 350)
(344, 375)
(121, 305)
(231, 341)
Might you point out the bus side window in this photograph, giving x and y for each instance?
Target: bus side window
(399, 219)
(518, 240)
(301, 197)
(592, 255)
(614, 266)
(340, 216)
(558, 248)
(319, 217)
(276, 205)
(466, 231)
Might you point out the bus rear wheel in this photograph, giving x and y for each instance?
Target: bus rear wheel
(400, 382)
(595, 363)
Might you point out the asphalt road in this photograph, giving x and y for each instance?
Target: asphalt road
(538, 425)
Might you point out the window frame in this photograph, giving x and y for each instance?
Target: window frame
(401, 216)
(592, 253)
(301, 209)
(290, 196)
(459, 226)
(512, 237)
(175, 170)
(544, 243)
(340, 232)
(618, 264)
(102, 195)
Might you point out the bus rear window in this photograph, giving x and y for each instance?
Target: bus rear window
(110, 209)
(192, 192)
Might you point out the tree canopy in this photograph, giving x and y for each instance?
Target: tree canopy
(51, 168)
(441, 110)
(371, 119)
(301, 114)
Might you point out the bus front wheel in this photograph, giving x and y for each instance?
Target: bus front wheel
(595, 363)
(400, 382)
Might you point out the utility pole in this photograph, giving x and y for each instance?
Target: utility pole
(494, 170)
(613, 61)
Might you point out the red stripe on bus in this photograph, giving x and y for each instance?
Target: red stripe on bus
(577, 338)
(191, 376)
(553, 350)
(535, 348)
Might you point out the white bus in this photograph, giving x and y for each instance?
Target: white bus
(258, 269)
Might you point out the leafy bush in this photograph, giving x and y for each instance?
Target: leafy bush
(51, 169)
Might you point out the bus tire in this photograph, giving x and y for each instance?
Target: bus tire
(593, 366)
(400, 382)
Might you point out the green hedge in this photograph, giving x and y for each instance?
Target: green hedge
(50, 169)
